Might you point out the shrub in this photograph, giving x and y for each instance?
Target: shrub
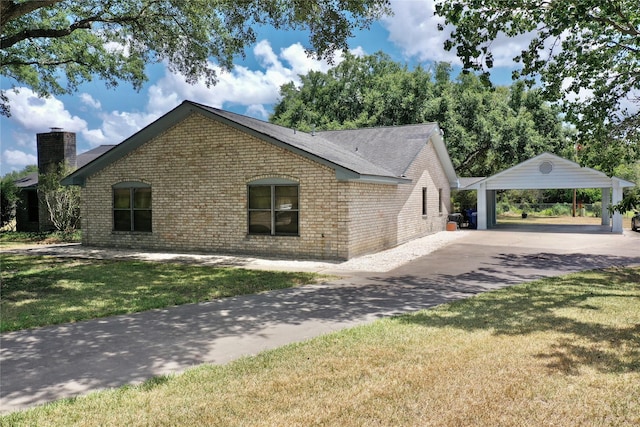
(561, 209)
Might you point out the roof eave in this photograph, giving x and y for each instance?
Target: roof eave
(441, 150)
(350, 176)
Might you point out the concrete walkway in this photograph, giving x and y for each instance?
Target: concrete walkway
(50, 363)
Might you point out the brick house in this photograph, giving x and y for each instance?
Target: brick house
(54, 148)
(204, 179)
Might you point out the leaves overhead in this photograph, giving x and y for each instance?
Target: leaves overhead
(52, 46)
(584, 53)
(486, 129)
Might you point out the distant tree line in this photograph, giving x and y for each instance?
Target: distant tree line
(486, 128)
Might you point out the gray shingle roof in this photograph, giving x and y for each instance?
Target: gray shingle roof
(82, 159)
(313, 144)
(395, 147)
(364, 154)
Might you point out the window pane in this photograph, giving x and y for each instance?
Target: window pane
(260, 222)
(121, 198)
(142, 220)
(122, 220)
(142, 198)
(287, 222)
(287, 197)
(260, 197)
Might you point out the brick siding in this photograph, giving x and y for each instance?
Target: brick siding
(199, 171)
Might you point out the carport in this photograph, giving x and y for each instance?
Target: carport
(547, 171)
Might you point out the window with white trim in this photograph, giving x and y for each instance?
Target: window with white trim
(273, 207)
(132, 207)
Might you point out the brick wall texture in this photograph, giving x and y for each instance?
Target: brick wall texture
(199, 170)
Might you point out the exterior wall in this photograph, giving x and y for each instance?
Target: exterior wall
(383, 216)
(426, 172)
(370, 218)
(199, 171)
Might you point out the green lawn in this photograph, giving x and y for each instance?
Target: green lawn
(10, 239)
(38, 291)
(561, 351)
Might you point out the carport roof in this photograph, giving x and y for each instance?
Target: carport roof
(547, 171)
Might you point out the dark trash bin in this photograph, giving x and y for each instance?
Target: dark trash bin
(471, 218)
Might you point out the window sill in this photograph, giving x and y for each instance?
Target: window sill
(271, 235)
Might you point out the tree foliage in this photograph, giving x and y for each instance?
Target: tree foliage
(585, 54)
(9, 194)
(53, 46)
(486, 129)
(63, 202)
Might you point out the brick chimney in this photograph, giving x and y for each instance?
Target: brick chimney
(55, 147)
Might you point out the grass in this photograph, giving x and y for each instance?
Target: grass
(39, 291)
(11, 239)
(560, 351)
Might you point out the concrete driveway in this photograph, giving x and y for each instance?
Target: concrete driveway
(50, 363)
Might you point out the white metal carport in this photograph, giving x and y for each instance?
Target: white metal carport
(547, 171)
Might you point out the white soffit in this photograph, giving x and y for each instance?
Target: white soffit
(548, 171)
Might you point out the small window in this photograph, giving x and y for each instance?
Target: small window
(440, 201)
(132, 207)
(424, 200)
(273, 209)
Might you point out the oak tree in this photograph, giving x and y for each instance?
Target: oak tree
(53, 46)
(584, 53)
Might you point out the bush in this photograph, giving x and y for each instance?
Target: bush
(561, 209)
(503, 207)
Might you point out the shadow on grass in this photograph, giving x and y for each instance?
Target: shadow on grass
(46, 364)
(39, 291)
(563, 306)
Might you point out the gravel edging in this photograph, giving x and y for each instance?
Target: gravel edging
(378, 262)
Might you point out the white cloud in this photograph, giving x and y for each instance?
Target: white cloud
(37, 114)
(240, 86)
(258, 111)
(17, 159)
(119, 125)
(255, 90)
(414, 28)
(90, 101)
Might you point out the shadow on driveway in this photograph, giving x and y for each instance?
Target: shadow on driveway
(50, 363)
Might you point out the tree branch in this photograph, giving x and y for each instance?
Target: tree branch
(46, 64)
(630, 30)
(10, 10)
(7, 42)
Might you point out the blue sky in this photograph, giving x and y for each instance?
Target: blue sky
(108, 116)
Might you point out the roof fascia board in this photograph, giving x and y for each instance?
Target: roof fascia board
(551, 156)
(349, 176)
(130, 144)
(436, 138)
(340, 170)
(623, 183)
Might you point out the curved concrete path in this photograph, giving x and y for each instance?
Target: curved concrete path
(50, 363)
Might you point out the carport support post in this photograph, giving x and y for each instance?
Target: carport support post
(606, 199)
(615, 199)
(482, 207)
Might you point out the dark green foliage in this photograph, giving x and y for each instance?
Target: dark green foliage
(53, 46)
(487, 129)
(584, 54)
(9, 194)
